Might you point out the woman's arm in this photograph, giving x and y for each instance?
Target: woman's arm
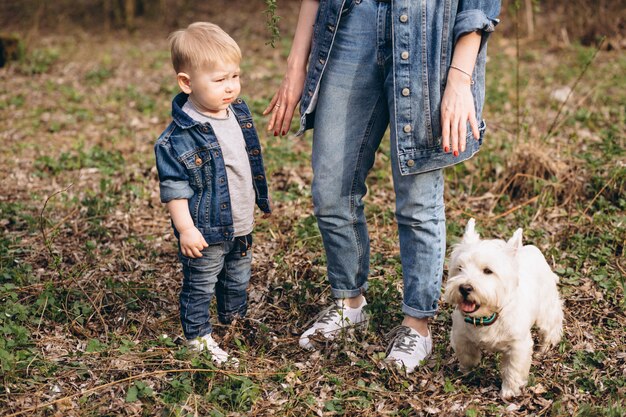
(457, 104)
(287, 97)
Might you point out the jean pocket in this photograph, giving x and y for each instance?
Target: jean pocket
(348, 6)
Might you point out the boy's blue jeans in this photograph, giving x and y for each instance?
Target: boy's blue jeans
(223, 270)
(353, 111)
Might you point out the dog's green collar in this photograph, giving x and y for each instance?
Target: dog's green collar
(481, 321)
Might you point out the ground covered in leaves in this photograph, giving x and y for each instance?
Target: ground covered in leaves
(89, 278)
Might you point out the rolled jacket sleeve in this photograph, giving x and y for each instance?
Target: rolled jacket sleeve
(476, 15)
(173, 177)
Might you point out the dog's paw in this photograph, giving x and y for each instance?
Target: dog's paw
(544, 349)
(509, 392)
(465, 368)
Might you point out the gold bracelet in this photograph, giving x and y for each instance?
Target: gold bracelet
(464, 72)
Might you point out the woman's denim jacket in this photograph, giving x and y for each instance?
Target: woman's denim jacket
(424, 34)
(190, 166)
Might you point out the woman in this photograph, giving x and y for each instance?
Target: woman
(417, 67)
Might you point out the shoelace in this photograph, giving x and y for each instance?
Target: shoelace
(403, 340)
(328, 315)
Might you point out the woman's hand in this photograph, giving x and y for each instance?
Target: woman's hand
(284, 102)
(288, 96)
(457, 107)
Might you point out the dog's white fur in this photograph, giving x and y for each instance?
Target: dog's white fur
(514, 281)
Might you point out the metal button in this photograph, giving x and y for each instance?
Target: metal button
(255, 152)
(222, 180)
(404, 18)
(248, 125)
(224, 205)
(205, 129)
(217, 154)
(405, 55)
(259, 177)
(406, 92)
(238, 101)
(198, 161)
(407, 129)
(410, 163)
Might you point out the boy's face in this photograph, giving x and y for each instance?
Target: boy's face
(211, 91)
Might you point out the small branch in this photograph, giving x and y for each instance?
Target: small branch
(580, 76)
(134, 377)
(518, 126)
(271, 22)
(48, 244)
(519, 206)
(593, 200)
(42, 225)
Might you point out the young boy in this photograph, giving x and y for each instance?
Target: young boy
(210, 176)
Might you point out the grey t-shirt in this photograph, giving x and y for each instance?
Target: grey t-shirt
(238, 172)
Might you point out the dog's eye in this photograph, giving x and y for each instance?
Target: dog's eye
(487, 271)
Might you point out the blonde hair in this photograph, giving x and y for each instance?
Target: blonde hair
(202, 45)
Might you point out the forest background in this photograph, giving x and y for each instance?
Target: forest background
(88, 272)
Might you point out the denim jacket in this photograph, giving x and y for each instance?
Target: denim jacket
(424, 34)
(190, 166)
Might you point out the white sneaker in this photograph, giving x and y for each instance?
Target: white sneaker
(408, 348)
(332, 320)
(218, 355)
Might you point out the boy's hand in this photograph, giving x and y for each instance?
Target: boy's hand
(192, 242)
(269, 201)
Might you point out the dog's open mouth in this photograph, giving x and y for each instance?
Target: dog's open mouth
(468, 307)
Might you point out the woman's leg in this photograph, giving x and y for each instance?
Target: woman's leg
(351, 118)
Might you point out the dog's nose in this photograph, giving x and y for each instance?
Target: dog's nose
(465, 289)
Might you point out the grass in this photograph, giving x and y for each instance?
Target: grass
(88, 315)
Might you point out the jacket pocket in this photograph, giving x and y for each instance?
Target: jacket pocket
(198, 165)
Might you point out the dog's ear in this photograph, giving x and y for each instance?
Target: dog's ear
(515, 242)
(470, 235)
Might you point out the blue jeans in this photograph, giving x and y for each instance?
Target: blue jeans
(223, 270)
(353, 111)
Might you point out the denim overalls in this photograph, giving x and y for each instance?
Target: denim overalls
(371, 63)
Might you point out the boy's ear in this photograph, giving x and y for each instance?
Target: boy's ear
(184, 82)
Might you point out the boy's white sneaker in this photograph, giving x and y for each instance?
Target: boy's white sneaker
(408, 348)
(332, 320)
(218, 355)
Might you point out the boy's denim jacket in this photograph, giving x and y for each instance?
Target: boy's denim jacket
(424, 34)
(190, 166)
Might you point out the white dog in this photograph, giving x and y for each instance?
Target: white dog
(501, 289)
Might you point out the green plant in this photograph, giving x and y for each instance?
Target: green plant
(38, 61)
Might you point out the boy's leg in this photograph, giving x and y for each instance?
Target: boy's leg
(199, 278)
(231, 288)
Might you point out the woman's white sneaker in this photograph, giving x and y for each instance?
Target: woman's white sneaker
(408, 348)
(332, 320)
